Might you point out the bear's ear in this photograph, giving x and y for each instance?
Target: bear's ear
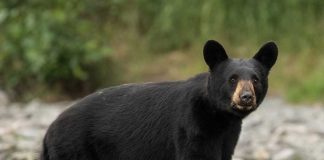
(267, 55)
(214, 53)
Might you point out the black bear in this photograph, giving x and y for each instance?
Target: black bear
(195, 119)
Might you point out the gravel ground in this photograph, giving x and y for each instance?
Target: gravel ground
(276, 131)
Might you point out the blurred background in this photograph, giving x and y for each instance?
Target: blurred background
(56, 51)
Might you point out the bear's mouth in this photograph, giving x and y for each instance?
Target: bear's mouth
(243, 108)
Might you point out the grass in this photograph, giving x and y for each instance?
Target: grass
(298, 78)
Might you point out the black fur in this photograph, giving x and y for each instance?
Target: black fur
(182, 120)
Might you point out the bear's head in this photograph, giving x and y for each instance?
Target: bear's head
(238, 86)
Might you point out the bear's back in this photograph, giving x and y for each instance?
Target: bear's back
(131, 119)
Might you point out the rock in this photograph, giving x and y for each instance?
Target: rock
(261, 154)
(285, 154)
(4, 147)
(22, 128)
(4, 100)
(23, 155)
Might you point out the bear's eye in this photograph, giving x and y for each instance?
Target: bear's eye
(255, 80)
(233, 79)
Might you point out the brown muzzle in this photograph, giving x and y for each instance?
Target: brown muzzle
(244, 95)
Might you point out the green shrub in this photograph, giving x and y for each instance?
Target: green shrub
(54, 44)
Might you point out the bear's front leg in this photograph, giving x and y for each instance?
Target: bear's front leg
(207, 146)
(199, 148)
(230, 139)
(202, 153)
(197, 156)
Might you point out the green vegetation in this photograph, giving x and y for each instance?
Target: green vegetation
(50, 45)
(75, 46)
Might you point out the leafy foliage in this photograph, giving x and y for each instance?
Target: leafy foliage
(49, 44)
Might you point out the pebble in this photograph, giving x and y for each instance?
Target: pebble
(285, 154)
(4, 100)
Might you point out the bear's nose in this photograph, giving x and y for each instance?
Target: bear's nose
(246, 97)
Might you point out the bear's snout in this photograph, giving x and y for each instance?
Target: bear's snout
(244, 96)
